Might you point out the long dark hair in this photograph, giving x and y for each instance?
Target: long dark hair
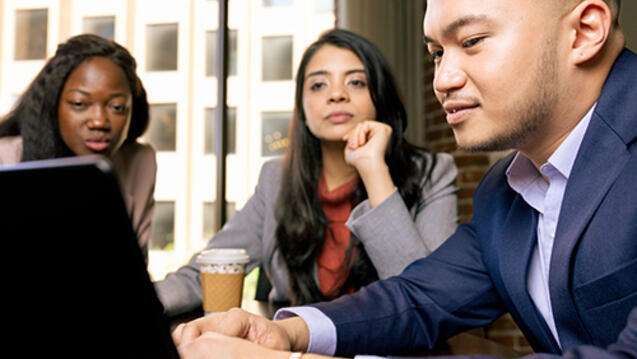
(35, 116)
(302, 223)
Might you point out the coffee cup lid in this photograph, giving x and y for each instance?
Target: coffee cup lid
(223, 256)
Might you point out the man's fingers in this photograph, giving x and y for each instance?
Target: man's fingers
(189, 332)
(176, 334)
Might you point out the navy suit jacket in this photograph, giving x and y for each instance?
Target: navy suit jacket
(481, 271)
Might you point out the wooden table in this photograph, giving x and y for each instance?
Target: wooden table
(461, 344)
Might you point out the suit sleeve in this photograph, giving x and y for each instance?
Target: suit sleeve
(394, 236)
(433, 299)
(180, 291)
(624, 348)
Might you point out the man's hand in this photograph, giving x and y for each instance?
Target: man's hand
(212, 345)
(282, 335)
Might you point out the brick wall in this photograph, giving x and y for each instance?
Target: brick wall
(471, 168)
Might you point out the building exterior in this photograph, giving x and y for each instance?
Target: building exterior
(174, 43)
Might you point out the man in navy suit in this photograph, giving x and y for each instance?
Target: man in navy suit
(553, 240)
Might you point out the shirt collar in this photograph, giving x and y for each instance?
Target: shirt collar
(521, 172)
(564, 157)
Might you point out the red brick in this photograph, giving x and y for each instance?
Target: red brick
(465, 160)
(466, 192)
(471, 176)
(439, 134)
(463, 219)
(445, 147)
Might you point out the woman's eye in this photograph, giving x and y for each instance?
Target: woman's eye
(119, 108)
(77, 104)
(358, 83)
(317, 85)
(472, 42)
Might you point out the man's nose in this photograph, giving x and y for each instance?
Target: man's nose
(449, 77)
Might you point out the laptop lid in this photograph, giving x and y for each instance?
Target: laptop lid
(76, 283)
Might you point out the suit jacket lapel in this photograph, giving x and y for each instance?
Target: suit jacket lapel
(518, 239)
(603, 151)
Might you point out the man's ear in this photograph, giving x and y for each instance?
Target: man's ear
(591, 22)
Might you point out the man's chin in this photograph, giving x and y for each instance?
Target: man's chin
(486, 145)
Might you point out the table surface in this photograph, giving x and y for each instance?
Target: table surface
(461, 344)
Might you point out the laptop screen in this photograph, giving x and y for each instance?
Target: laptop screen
(75, 280)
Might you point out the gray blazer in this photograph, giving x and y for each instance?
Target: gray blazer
(393, 235)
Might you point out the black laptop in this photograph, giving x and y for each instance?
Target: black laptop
(75, 284)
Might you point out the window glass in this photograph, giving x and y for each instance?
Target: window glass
(103, 26)
(278, 2)
(277, 58)
(211, 53)
(274, 130)
(210, 217)
(162, 235)
(30, 34)
(162, 131)
(209, 135)
(161, 47)
(323, 6)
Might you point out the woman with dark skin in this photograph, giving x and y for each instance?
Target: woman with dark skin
(88, 100)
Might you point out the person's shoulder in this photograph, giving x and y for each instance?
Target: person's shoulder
(135, 152)
(135, 158)
(272, 166)
(10, 150)
(137, 149)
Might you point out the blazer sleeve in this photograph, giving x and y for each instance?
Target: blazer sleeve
(394, 236)
(180, 291)
(136, 166)
(148, 166)
(432, 299)
(624, 348)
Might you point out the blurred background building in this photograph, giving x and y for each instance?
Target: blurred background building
(175, 44)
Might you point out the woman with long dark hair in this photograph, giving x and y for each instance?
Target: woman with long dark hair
(88, 99)
(351, 201)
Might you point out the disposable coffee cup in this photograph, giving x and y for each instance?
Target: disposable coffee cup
(222, 272)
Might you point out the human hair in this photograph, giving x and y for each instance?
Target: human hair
(302, 223)
(35, 116)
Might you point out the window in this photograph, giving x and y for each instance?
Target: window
(103, 26)
(161, 49)
(210, 217)
(324, 6)
(30, 34)
(211, 53)
(277, 58)
(162, 132)
(211, 125)
(274, 130)
(278, 2)
(162, 235)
